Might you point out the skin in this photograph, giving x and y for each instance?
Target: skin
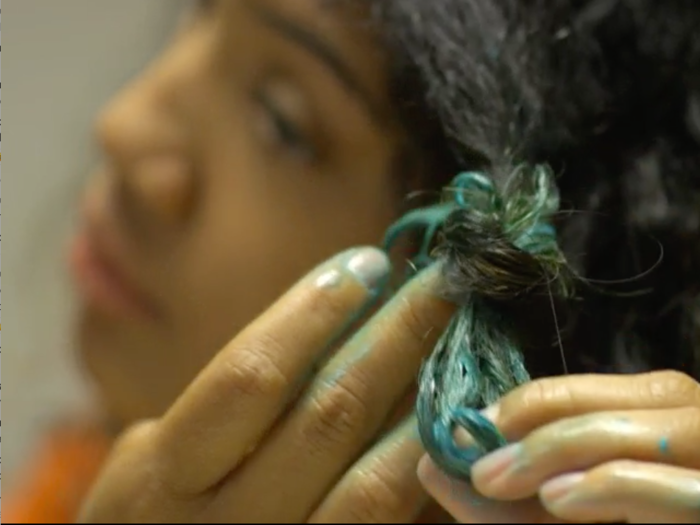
(243, 160)
(220, 159)
(198, 462)
(232, 165)
(603, 449)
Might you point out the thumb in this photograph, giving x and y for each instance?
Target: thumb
(466, 505)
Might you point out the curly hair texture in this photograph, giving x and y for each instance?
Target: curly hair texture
(606, 93)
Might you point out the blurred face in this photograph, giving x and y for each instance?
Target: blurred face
(256, 145)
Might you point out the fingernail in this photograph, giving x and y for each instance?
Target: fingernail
(491, 413)
(496, 463)
(463, 438)
(430, 275)
(558, 488)
(370, 267)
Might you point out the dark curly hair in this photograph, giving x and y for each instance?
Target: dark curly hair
(607, 93)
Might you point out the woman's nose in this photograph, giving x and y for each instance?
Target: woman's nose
(145, 147)
(163, 187)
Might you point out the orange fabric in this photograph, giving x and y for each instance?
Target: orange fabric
(58, 478)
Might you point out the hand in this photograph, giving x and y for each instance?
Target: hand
(592, 449)
(261, 435)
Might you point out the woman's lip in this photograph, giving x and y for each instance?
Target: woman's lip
(102, 283)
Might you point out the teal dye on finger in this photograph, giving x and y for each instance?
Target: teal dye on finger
(373, 299)
(478, 359)
(664, 446)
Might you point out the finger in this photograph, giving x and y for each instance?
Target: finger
(626, 492)
(382, 487)
(434, 513)
(539, 402)
(466, 505)
(579, 443)
(349, 402)
(237, 398)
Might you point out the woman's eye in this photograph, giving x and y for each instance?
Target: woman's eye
(204, 6)
(284, 132)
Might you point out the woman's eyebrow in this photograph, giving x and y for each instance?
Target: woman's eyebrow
(321, 50)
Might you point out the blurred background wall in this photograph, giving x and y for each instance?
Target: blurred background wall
(63, 60)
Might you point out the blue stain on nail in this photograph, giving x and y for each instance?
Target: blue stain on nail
(664, 446)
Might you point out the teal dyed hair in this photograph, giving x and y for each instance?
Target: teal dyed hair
(495, 246)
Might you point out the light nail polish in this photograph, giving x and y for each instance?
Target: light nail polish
(491, 412)
(559, 488)
(370, 267)
(496, 463)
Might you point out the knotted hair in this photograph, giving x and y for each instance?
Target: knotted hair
(498, 248)
(533, 101)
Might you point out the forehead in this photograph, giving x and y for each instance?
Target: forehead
(344, 22)
(346, 16)
(341, 24)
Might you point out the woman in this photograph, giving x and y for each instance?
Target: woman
(273, 134)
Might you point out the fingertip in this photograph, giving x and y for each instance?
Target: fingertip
(462, 501)
(430, 476)
(433, 481)
(492, 412)
(424, 466)
(370, 266)
(444, 489)
(458, 498)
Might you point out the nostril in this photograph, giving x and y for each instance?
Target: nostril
(164, 187)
